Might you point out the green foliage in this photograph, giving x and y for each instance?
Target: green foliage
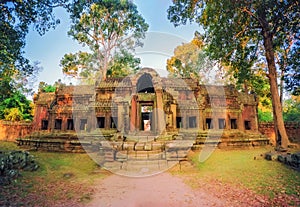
(44, 87)
(15, 70)
(13, 114)
(292, 73)
(123, 64)
(243, 34)
(49, 88)
(265, 116)
(16, 108)
(292, 110)
(243, 45)
(189, 60)
(12, 163)
(15, 19)
(108, 28)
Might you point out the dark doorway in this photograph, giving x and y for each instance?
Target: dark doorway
(144, 84)
(57, 124)
(178, 122)
(100, 122)
(113, 122)
(247, 125)
(209, 124)
(233, 123)
(70, 124)
(44, 124)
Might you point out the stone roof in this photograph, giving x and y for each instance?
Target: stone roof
(179, 83)
(114, 83)
(188, 104)
(78, 90)
(45, 98)
(214, 90)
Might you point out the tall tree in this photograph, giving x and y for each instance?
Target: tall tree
(107, 27)
(16, 17)
(190, 60)
(236, 27)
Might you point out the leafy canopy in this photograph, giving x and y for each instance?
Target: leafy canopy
(235, 31)
(108, 28)
(243, 33)
(16, 71)
(16, 108)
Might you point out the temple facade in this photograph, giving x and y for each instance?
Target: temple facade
(146, 103)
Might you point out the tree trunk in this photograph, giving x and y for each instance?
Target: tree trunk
(281, 86)
(281, 135)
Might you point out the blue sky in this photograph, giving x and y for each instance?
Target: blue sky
(161, 39)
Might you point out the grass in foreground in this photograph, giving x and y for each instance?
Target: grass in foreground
(249, 169)
(62, 177)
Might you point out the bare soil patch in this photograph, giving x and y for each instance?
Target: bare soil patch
(158, 190)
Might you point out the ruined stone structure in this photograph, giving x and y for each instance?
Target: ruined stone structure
(143, 123)
(10, 131)
(146, 103)
(292, 129)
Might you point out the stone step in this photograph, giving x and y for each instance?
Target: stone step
(140, 155)
(139, 168)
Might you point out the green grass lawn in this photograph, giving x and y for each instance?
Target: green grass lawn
(68, 177)
(249, 169)
(61, 176)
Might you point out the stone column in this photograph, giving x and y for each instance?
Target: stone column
(240, 122)
(161, 124)
(201, 121)
(120, 117)
(255, 119)
(126, 117)
(133, 114)
(173, 110)
(107, 123)
(184, 119)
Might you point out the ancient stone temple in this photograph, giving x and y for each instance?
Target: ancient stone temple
(144, 123)
(146, 103)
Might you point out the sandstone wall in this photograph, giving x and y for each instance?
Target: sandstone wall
(10, 131)
(292, 129)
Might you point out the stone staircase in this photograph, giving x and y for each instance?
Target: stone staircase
(143, 158)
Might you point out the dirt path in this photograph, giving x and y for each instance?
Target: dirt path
(159, 190)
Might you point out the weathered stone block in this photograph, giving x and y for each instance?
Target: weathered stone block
(141, 155)
(155, 156)
(148, 147)
(182, 154)
(129, 146)
(271, 156)
(109, 155)
(139, 146)
(157, 146)
(131, 155)
(281, 158)
(117, 145)
(121, 156)
(172, 155)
